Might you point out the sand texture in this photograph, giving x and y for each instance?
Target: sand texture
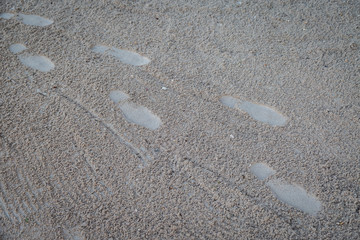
(179, 119)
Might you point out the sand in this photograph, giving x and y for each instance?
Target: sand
(179, 119)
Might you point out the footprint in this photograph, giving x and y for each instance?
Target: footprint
(17, 48)
(40, 63)
(34, 20)
(6, 16)
(258, 112)
(140, 115)
(36, 62)
(118, 96)
(124, 56)
(134, 113)
(291, 194)
(295, 196)
(262, 170)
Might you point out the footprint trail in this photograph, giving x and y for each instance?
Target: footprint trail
(135, 113)
(258, 112)
(290, 194)
(124, 56)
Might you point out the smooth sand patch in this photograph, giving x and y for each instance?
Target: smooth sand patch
(17, 48)
(6, 16)
(118, 96)
(124, 56)
(295, 196)
(140, 115)
(34, 20)
(40, 63)
(259, 112)
(262, 170)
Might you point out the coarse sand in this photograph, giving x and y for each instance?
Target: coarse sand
(180, 119)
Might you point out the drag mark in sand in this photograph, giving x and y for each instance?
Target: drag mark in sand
(295, 196)
(258, 112)
(142, 156)
(133, 112)
(220, 187)
(34, 20)
(124, 56)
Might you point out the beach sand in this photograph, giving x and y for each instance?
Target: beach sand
(179, 119)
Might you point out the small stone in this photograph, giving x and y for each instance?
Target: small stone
(353, 46)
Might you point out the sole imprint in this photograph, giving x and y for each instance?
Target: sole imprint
(6, 16)
(258, 112)
(290, 194)
(40, 63)
(34, 20)
(118, 96)
(17, 48)
(262, 170)
(36, 62)
(295, 196)
(134, 113)
(124, 56)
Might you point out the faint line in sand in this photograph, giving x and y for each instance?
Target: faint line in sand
(228, 187)
(4, 208)
(121, 139)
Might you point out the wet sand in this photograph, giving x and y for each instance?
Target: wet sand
(179, 120)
